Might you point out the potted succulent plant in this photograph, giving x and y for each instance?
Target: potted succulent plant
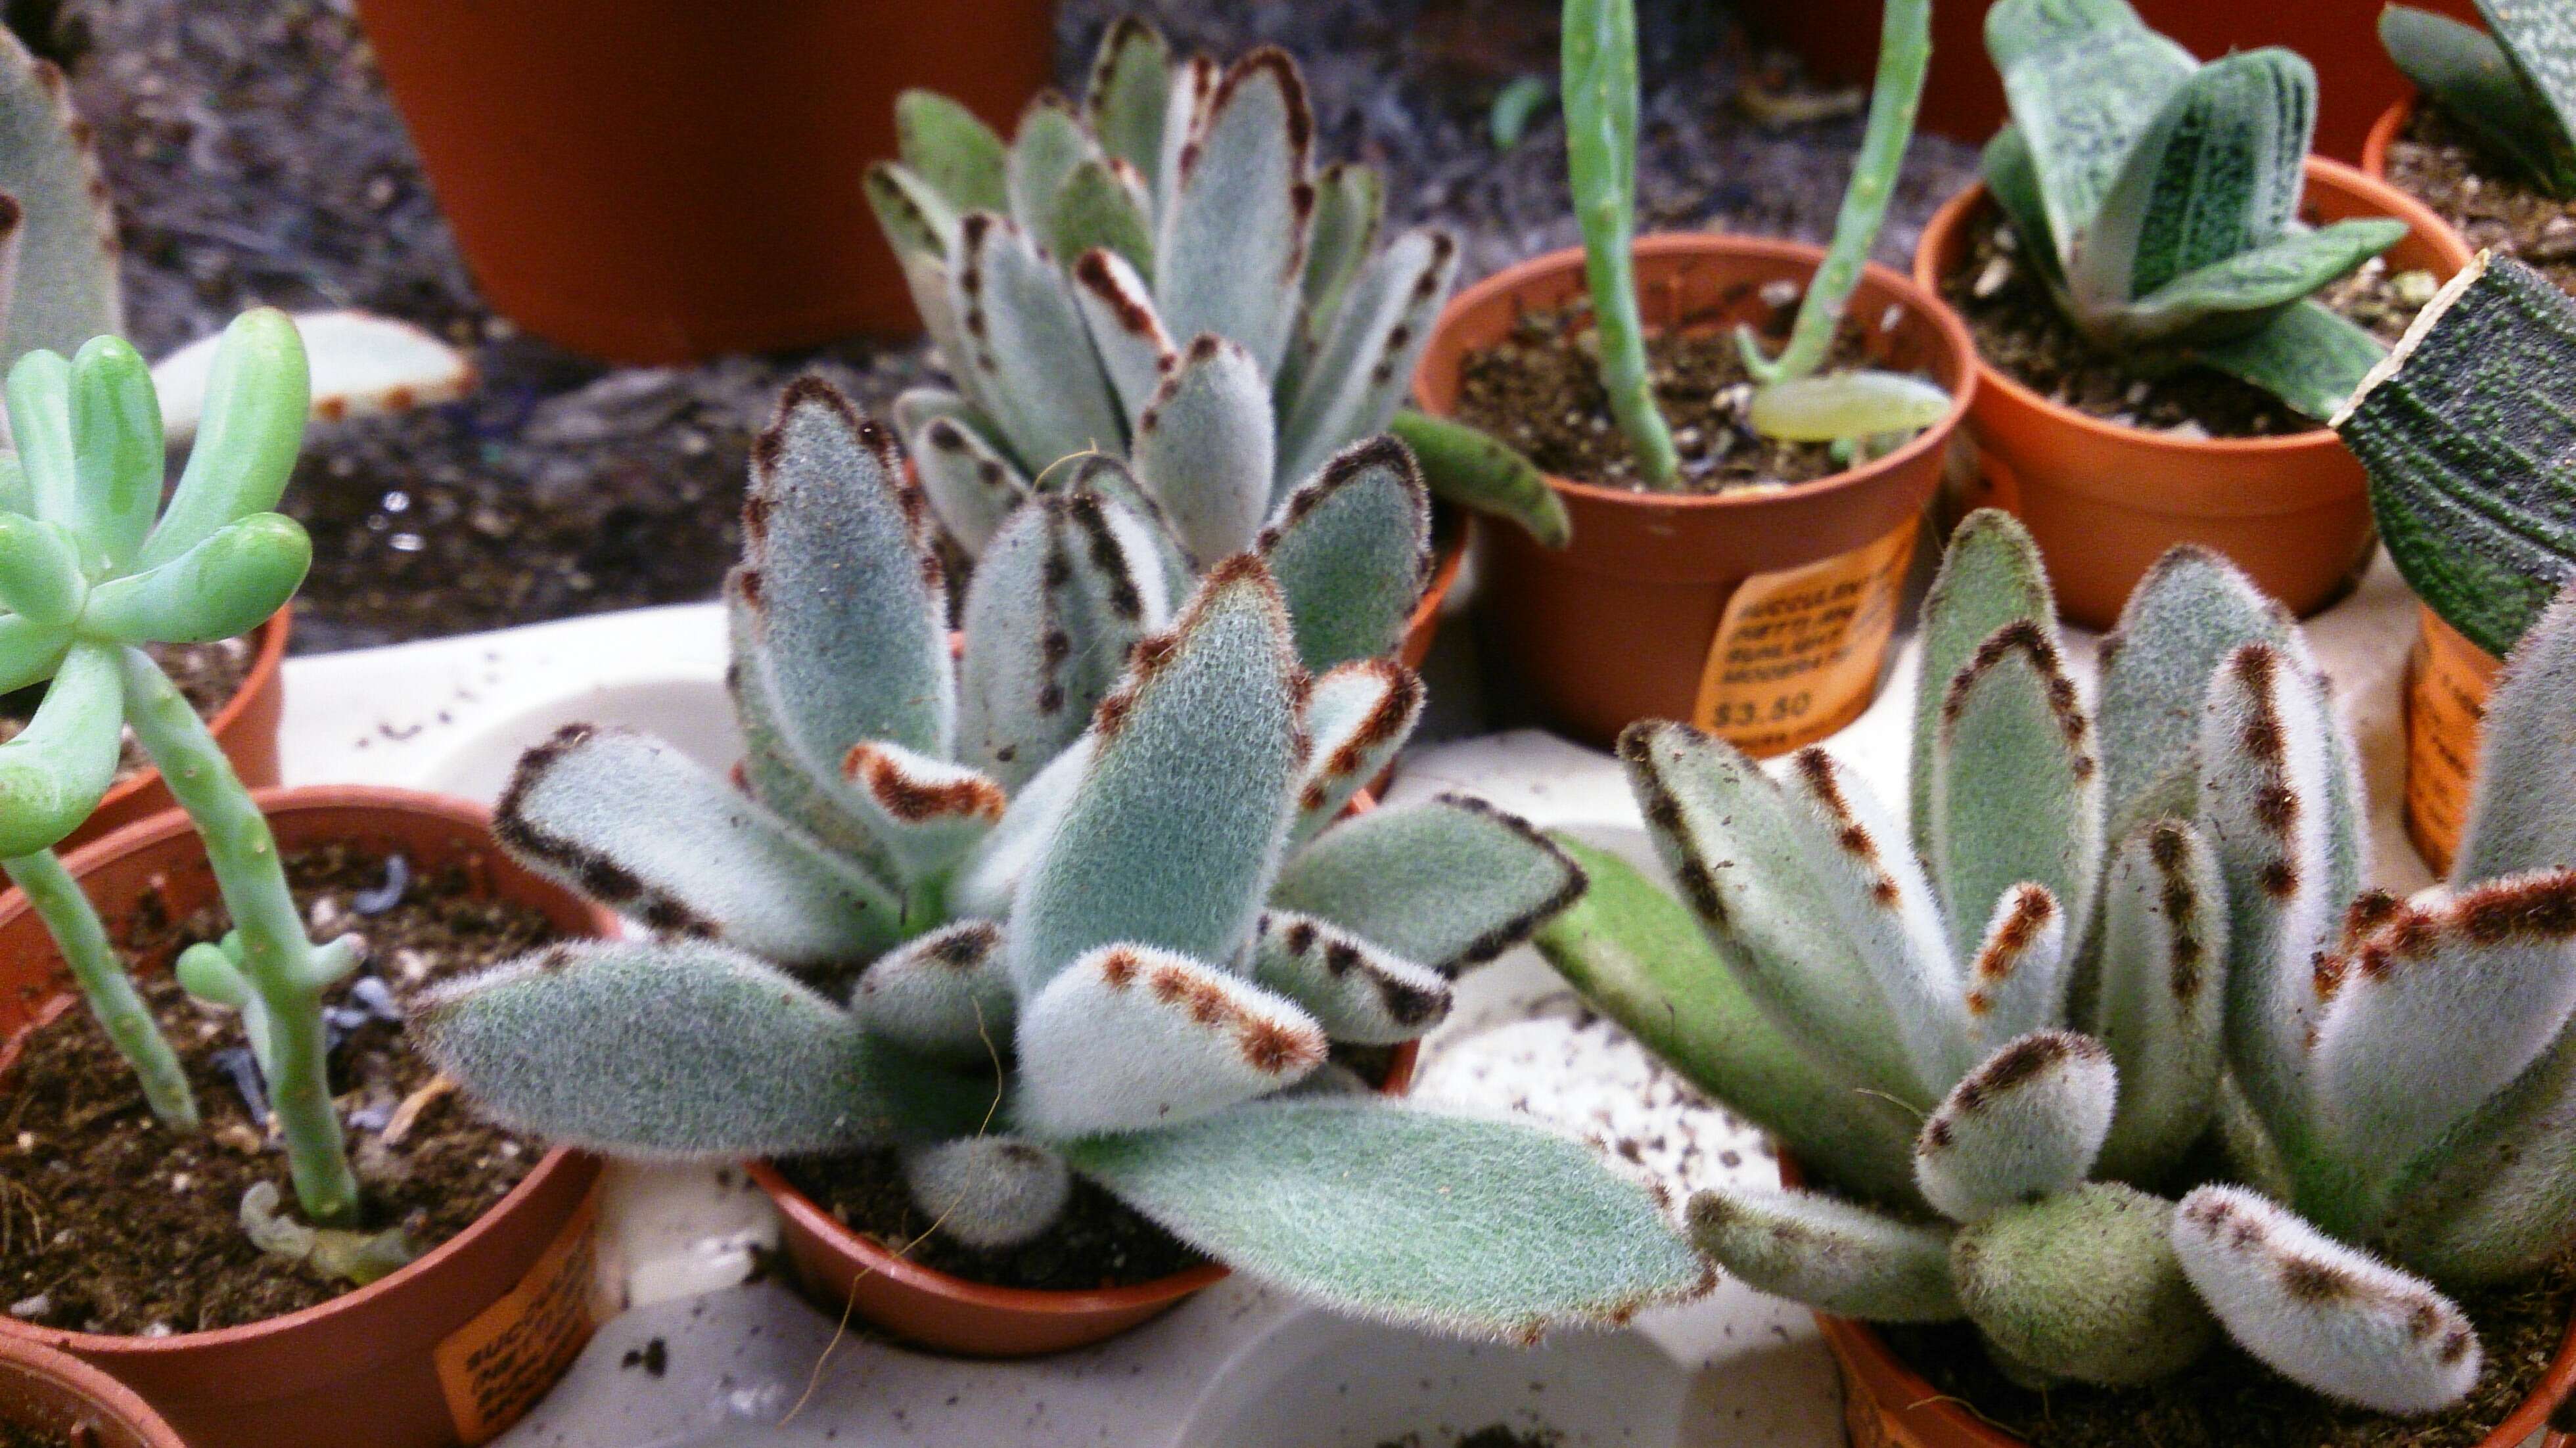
(47, 1397)
(173, 1265)
(2461, 432)
(1164, 276)
(1998, 1044)
(2486, 140)
(1057, 938)
(1739, 562)
(2170, 296)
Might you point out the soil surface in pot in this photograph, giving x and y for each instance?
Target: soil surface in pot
(1493, 1435)
(2228, 1400)
(2021, 333)
(19, 1435)
(2485, 199)
(208, 675)
(1540, 390)
(1099, 1241)
(110, 1223)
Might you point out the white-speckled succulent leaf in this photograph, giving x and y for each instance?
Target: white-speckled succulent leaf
(1359, 715)
(1130, 1038)
(1203, 447)
(1357, 377)
(2330, 1317)
(2024, 1125)
(1231, 258)
(1356, 991)
(65, 290)
(1027, 350)
(1832, 1255)
(943, 995)
(1449, 883)
(2016, 786)
(2540, 40)
(2083, 79)
(2160, 982)
(1178, 825)
(1352, 551)
(1493, 1228)
(641, 828)
(680, 1050)
(1990, 575)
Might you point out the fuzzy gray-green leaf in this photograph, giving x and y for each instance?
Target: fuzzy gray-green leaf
(1449, 883)
(943, 995)
(65, 290)
(1027, 348)
(1204, 445)
(2016, 787)
(1466, 1225)
(1348, 201)
(1231, 258)
(1990, 575)
(2182, 621)
(2523, 814)
(1358, 716)
(970, 484)
(1129, 94)
(951, 150)
(1031, 674)
(1118, 309)
(1131, 1038)
(2083, 1285)
(917, 220)
(1354, 990)
(1359, 373)
(1351, 549)
(1102, 204)
(2161, 983)
(1049, 146)
(1831, 1255)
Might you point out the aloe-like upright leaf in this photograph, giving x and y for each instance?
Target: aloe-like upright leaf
(2162, 980)
(1177, 827)
(117, 458)
(1832, 1255)
(1130, 95)
(1990, 575)
(54, 771)
(1361, 368)
(943, 995)
(1354, 990)
(1358, 716)
(2478, 85)
(1203, 447)
(680, 1050)
(2250, 316)
(970, 484)
(1720, 825)
(2523, 813)
(2325, 1315)
(951, 150)
(2016, 785)
(2083, 1285)
(2025, 1125)
(1449, 883)
(2465, 430)
(1129, 1037)
(1352, 551)
(1027, 347)
(1118, 308)
(67, 290)
(226, 585)
(1231, 258)
(2084, 79)
(642, 829)
(1494, 1228)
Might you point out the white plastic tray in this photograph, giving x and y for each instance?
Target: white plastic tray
(1237, 1366)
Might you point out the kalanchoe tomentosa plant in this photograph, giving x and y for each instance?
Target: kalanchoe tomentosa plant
(2158, 197)
(1990, 1045)
(1121, 955)
(1166, 277)
(91, 567)
(1795, 401)
(58, 282)
(2512, 85)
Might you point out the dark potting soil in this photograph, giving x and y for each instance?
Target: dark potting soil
(1492, 1435)
(1540, 390)
(2229, 1400)
(111, 1223)
(19, 1435)
(208, 675)
(2485, 199)
(2020, 332)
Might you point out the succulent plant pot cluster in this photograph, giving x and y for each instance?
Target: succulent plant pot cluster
(2091, 203)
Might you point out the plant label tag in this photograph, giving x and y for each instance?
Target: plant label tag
(495, 1367)
(2448, 679)
(1797, 652)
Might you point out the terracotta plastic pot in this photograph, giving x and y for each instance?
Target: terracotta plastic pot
(245, 728)
(1763, 615)
(653, 181)
(1452, 530)
(2105, 501)
(2383, 133)
(55, 1393)
(2448, 680)
(452, 1348)
(837, 1267)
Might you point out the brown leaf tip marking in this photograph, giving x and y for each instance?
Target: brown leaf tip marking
(594, 873)
(2031, 910)
(912, 799)
(1570, 887)
(2027, 638)
(2169, 847)
(1278, 64)
(2532, 908)
(1106, 556)
(967, 946)
(2018, 1064)
(1386, 720)
(1270, 1047)
(2256, 666)
(2317, 1283)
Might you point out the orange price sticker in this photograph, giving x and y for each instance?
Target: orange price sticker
(495, 1367)
(1797, 654)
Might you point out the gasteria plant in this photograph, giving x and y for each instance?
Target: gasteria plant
(1163, 276)
(1599, 68)
(2158, 197)
(91, 567)
(1119, 951)
(1991, 1047)
(2512, 85)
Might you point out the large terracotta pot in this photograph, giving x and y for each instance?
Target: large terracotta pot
(54, 1393)
(1761, 614)
(452, 1348)
(653, 181)
(2384, 133)
(837, 1267)
(1452, 530)
(2105, 501)
(245, 728)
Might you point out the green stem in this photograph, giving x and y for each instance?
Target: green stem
(82, 939)
(286, 969)
(1904, 54)
(1600, 81)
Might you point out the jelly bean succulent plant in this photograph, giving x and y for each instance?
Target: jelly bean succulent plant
(936, 920)
(92, 567)
(1796, 399)
(1991, 1041)
(2158, 198)
(2511, 85)
(1164, 275)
